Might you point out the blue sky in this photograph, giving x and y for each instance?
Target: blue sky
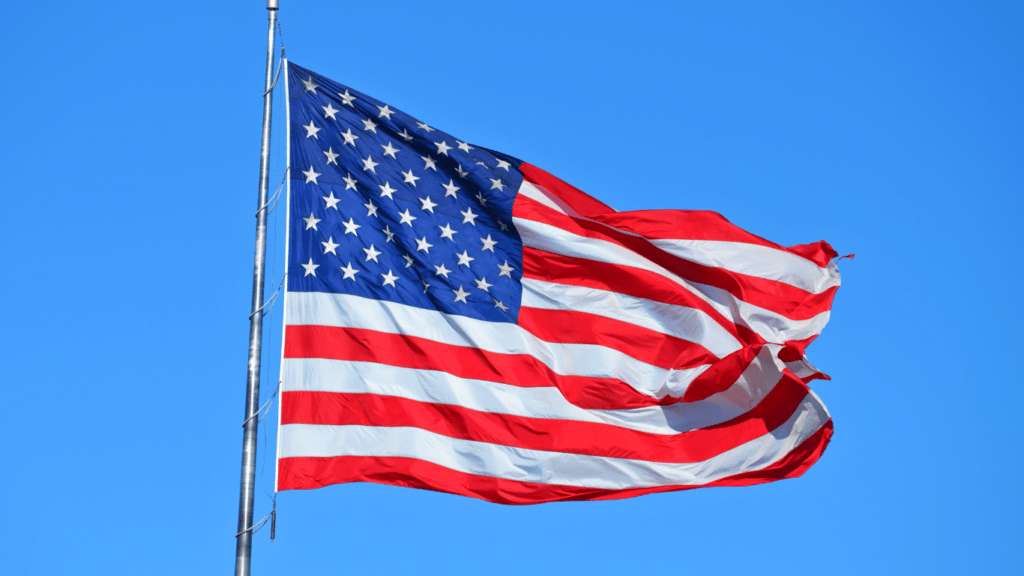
(894, 130)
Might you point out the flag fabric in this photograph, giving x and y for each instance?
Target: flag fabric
(459, 320)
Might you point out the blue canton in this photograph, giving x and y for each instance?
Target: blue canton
(386, 207)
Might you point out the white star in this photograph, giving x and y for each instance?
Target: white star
(387, 190)
(428, 163)
(503, 164)
(390, 150)
(488, 243)
(331, 155)
(389, 278)
(311, 221)
(368, 125)
(407, 218)
(311, 130)
(450, 188)
(329, 111)
(329, 246)
(427, 204)
(481, 164)
(442, 147)
(460, 295)
(464, 146)
(409, 178)
(464, 258)
(310, 87)
(310, 268)
(351, 227)
(483, 284)
(406, 136)
(350, 272)
(371, 210)
(311, 175)
(349, 137)
(462, 173)
(442, 271)
(372, 253)
(496, 183)
(391, 235)
(332, 202)
(469, 217)
(422, 244)
(385, 112)
(499, 304)
(424, 127)
(447, 232)
(425, 286)
(480, 198)
(408, 260)
(506, 270)
(369, 164)
(350, 182)
(504, 226)
(348, 98)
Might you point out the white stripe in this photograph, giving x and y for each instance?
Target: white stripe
(682, 322)
(545, 467)
(742, 257)
(802, 368)
(758, 379)
(540, 194)
(317, 308)
(755, 260)
(769, 325)
(342, 376)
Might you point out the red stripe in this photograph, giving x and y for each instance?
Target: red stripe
(646, 345)
(668, 224)
(335, 343)
(308, 473)
(565, 436)
(779, 297)
(722, 374)
(636, 282)
(801, 345)
(580, 202)
(819, 252)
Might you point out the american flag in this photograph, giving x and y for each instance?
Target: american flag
(459, 320)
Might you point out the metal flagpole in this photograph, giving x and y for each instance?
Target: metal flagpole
(243, 549)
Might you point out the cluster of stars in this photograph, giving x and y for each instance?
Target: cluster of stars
(419, 168)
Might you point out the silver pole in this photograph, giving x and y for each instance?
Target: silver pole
(243, 548)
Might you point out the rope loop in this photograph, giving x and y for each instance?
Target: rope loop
(265, 405)
(276, 197)
(255, 527)
(280, 60)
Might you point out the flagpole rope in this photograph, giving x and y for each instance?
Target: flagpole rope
(270, 206)
(243, 546)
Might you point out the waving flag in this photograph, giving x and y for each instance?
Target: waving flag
(459, 320)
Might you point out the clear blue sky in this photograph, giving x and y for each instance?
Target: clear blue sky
(894, 130)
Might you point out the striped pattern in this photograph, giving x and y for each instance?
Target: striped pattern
(655, 351)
